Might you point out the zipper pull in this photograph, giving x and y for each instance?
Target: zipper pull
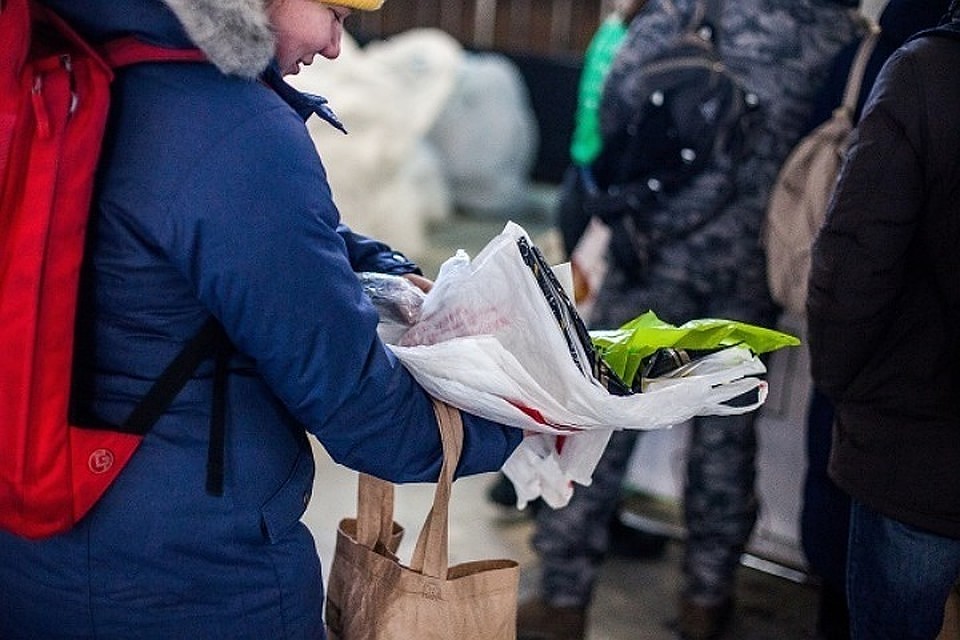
(39, 108)
(67, 63)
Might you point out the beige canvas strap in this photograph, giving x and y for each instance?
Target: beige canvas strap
(374, 512)
(851, 94)
(375, 500)
(430, 555)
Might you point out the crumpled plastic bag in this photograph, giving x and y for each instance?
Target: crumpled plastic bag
(397, 300)
(488, 342)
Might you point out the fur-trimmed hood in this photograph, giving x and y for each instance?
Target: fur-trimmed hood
(235, 34)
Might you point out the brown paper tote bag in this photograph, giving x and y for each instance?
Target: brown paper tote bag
(371, 595)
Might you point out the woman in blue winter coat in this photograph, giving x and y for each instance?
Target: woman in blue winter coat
(212, 201)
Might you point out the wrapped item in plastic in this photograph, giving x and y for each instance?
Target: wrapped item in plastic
(488, 341)
(397, 300)
(647, 343)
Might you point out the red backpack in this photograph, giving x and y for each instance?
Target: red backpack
(54, 99)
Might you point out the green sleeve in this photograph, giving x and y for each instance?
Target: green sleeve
(597, 60)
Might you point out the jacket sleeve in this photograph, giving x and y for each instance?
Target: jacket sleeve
(268, 256)
(858, 262)
(367, 254)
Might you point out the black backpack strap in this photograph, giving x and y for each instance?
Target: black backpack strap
(209, 342)
(203, 345)
(217, 449)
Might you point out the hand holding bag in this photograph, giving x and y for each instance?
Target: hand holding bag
(371, 595)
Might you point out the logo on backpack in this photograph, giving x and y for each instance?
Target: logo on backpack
(100, 461)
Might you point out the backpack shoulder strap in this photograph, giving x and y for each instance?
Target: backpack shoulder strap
(120, 52)
(851, 94)
(130, 50)
(204, 344)
(209, 341)
(712, 11)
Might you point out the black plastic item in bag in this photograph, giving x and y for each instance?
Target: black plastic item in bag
(667, 361)
(571, 324)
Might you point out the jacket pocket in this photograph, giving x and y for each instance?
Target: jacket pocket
(285, 508)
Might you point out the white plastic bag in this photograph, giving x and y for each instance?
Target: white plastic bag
(488, 343)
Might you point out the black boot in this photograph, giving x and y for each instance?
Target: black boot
(502, 493)
(537, 620)
(627, 541)
(704, 622)
(833, 618)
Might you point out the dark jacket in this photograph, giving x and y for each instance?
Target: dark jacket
(884, 303)
(900, 20)
(213, 200)
(703, 242)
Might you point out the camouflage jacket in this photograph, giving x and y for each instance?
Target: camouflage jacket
(781, 50)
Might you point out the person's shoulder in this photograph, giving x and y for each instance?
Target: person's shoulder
(949, 32)
(199, 98)
(247, 116)
(931, 50)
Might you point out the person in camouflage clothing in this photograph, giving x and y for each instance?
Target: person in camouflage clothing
(706, 260)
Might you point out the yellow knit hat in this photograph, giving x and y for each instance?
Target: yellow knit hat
(361, 5)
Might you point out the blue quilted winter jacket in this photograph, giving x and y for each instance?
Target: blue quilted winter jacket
(213, 200)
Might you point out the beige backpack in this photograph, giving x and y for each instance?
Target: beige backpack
(800, 197)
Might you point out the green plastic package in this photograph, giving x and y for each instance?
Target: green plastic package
(626, 349)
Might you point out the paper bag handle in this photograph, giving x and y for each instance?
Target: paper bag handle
(374, 512)
(430, 555)
(375, 498)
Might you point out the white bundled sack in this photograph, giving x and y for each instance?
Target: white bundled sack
(388, 179)
(488, 342)
(486, 137)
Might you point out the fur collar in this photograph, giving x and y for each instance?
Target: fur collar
(235, 34)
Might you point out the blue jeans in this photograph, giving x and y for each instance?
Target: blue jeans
(898, 577)
(825, 518)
